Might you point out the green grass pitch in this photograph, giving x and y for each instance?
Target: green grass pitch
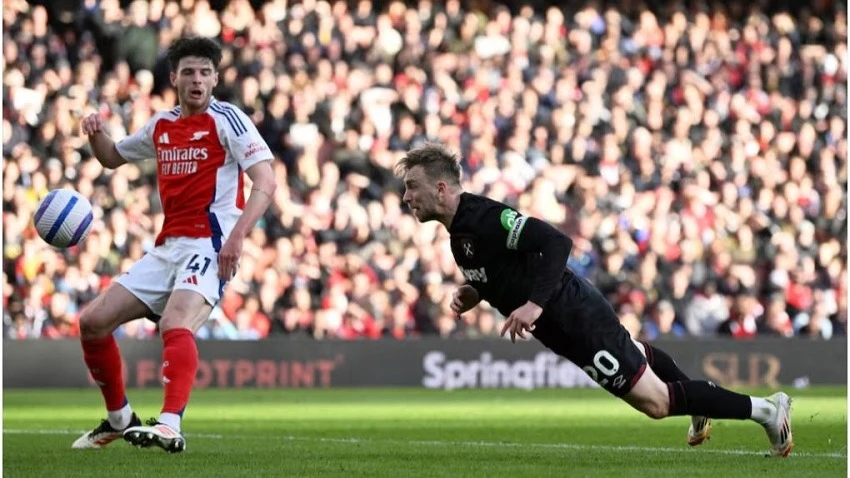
(411, 432)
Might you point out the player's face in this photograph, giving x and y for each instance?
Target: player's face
(421, 194)
(195, 79)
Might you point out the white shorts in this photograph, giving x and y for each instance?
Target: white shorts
(181, 263)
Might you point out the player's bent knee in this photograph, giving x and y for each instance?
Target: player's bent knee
(93, 323)
(108, 311)
(97, 320)
(185, 309)
(650, 396)
(655, 410)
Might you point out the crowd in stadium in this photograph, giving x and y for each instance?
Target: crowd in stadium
(697, 157)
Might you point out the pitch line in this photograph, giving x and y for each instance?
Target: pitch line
(471, 444)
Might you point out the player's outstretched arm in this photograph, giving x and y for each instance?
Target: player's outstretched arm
(101, 144)
(262, 192)
(530, 234)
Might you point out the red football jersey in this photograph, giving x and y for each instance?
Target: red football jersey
(200, 163)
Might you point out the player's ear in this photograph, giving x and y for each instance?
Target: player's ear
(442, 187)
(173, 77)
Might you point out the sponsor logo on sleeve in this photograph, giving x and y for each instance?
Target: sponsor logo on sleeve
(508, 218)
(513, 223)
(254, 148)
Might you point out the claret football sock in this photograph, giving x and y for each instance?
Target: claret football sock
(179, 366)
(103, 360)
(663, 364)
(703, 398)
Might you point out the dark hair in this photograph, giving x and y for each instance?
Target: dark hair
(437, 161)
(194, 46)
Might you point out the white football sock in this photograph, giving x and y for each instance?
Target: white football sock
(120, 419)
(763, 411)
(696, 419)
(170, 419)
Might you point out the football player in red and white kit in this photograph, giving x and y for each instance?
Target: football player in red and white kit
(202, 148)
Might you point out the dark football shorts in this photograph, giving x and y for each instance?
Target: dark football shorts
(580, 325)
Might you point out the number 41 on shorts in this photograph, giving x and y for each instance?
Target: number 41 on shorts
(194, 264)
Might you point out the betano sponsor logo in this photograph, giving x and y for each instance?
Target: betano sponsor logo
(475, 275)
(546, 370)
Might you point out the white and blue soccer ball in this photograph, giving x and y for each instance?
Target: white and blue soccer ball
(63, 218)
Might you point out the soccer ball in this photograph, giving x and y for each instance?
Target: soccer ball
(63, 218)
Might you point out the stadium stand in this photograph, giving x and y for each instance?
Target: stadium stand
(696, 153)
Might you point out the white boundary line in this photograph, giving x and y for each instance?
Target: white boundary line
(472, 444)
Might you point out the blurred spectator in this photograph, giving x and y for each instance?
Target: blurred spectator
(698, 157)
(662, 323)
(706, 311)
(776, 320)
(744, 318)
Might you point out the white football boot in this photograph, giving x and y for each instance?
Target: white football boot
(156, 433)
(699, 431)
(103, 435)
(779, 428)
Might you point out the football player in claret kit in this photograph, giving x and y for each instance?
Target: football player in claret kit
(519, 265)
(202, 149)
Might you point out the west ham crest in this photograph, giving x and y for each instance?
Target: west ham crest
(466, 244)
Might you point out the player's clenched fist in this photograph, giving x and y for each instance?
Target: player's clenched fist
(465, 298)
(92, 124)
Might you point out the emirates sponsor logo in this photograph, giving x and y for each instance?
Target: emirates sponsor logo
(182, 154)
